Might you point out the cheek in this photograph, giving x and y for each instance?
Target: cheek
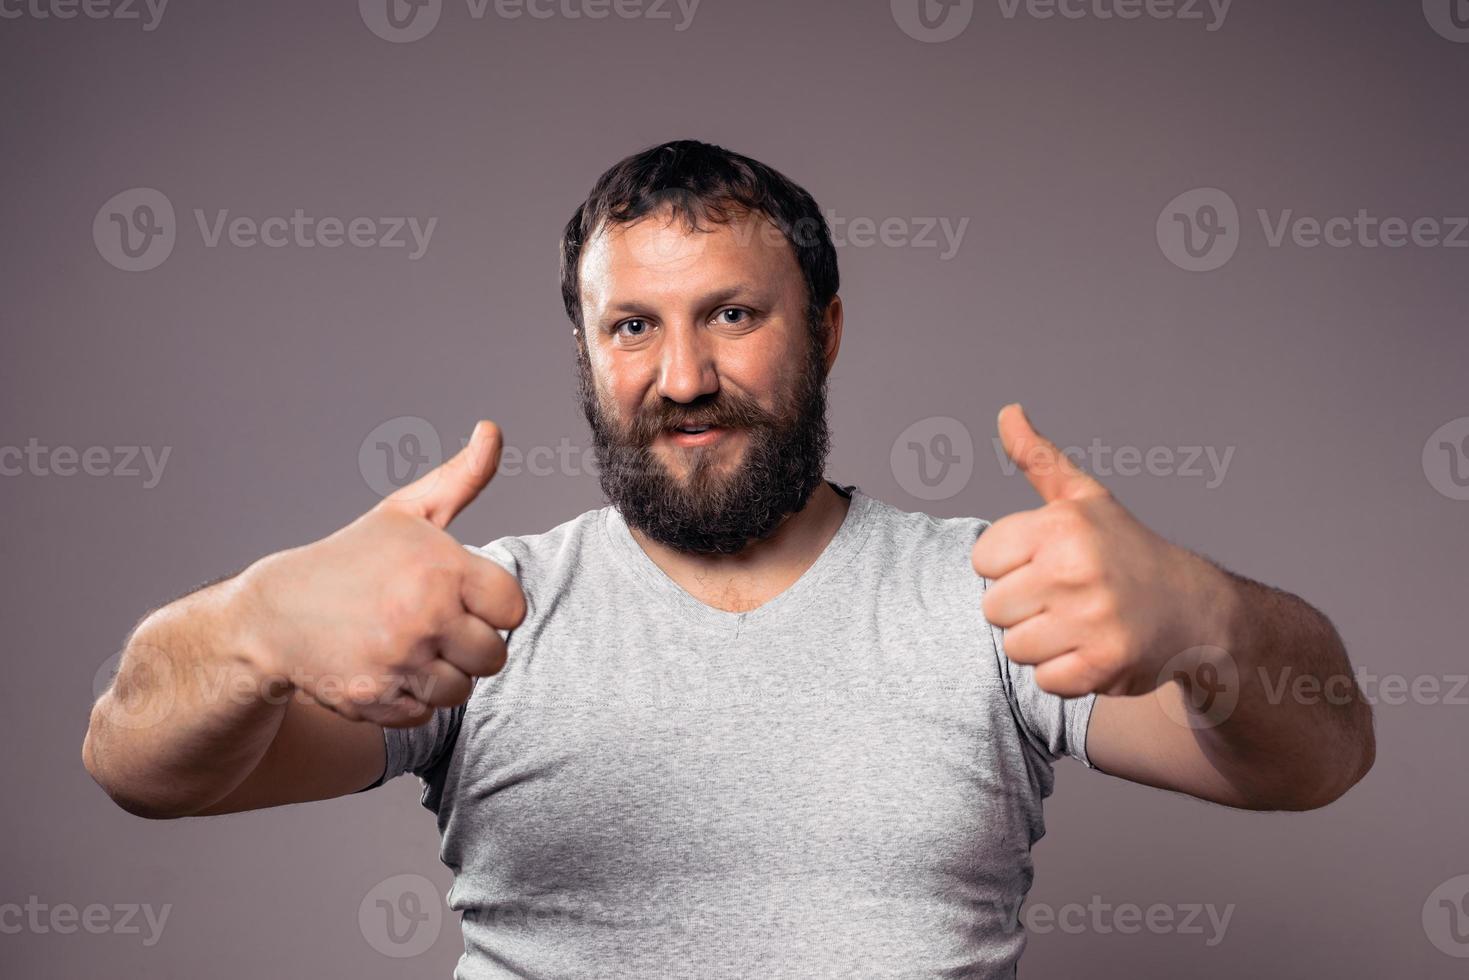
(623, 397)
(768, 377)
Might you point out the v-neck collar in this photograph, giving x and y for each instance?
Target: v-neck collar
(839, 550)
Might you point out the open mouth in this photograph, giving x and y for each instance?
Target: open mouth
(695, 435)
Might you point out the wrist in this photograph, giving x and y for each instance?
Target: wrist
(1223, 618)
(245, 616)
(1206, 661)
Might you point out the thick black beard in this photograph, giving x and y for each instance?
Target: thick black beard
(783, 464)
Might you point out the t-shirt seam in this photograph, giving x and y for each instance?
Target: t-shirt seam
(741, 627)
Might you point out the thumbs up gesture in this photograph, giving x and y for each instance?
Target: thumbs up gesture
(390, 616)
(1094, 600)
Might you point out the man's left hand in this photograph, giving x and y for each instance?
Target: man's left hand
(1086, 593)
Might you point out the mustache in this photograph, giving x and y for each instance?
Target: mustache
(730, 413)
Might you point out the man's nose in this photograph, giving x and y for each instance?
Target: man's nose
(686, 371)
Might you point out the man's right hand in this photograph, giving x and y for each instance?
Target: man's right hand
(389, 617)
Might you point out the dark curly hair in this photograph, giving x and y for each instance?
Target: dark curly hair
(701, 182)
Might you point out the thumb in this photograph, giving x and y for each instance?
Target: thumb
(1050, 471)
(440, 494)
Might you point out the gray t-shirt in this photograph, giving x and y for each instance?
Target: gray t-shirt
(844, 782)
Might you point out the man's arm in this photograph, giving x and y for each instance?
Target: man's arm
(193, 726)
(274, 686)
(1197, 670)
(1266, 716)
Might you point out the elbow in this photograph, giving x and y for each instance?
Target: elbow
(1363, 758)
(131, 803)
(1327, 782)
(1359, 760)
(1344, 760)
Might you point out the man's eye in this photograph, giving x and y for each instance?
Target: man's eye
(732, 315)
(627, 324)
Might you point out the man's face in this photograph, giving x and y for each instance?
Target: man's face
(702, 327)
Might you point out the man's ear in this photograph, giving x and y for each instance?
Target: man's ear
(832, 331)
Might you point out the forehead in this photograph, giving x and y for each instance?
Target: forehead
(659, 257)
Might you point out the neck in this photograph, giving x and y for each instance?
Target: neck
(762, 568)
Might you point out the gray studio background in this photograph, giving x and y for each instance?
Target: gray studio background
(1074, 153)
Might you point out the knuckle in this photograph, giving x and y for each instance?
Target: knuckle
(1104, 607)
(417, 598)
(508, 599)
(1072, 562)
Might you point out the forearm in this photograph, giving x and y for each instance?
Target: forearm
(1299, 733)
(191, 711)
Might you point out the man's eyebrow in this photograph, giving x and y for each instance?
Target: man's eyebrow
(632, 307)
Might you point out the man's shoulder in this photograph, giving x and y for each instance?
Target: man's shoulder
(560, 544)
(924, 561)
(918, 531)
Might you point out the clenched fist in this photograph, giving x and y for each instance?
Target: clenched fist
(1092, 598)
(390, 617)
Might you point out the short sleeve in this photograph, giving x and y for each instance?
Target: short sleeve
(418, 750)
(421, 749)
(1054, 725)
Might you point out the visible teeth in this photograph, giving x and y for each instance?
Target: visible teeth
(694, 429)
